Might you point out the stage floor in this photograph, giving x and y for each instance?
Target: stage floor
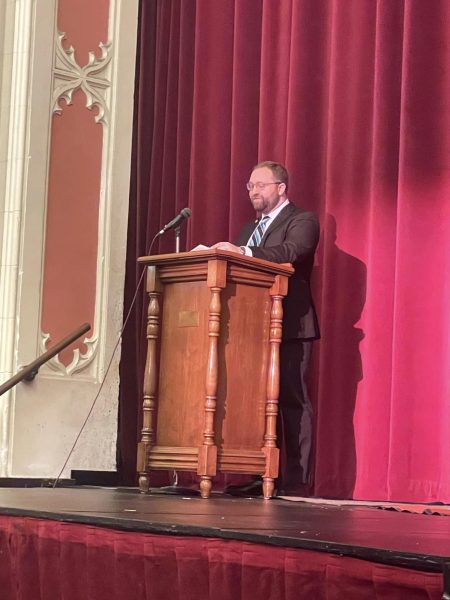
(411, 540)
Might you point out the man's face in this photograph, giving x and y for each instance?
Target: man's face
(265, 199)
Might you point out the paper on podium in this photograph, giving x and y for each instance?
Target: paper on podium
(200, 247)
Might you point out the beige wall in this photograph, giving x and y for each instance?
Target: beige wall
(47, 284)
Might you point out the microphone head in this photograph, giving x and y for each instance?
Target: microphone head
(186, 212)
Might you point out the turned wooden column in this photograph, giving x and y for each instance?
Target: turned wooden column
(277, 293)
(207, 456)
(150, 379)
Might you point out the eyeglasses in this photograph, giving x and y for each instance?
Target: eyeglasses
(259, 185)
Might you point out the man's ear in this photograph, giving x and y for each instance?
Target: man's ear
(281, 190)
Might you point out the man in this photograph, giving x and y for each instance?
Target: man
(285, 233)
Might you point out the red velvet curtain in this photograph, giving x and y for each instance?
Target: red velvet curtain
(48, 560)
(354, 98)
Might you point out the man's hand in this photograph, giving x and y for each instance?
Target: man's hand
(227, 246)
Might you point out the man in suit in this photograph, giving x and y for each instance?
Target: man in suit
(285, 233)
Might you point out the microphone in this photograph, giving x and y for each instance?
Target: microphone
(185, 213)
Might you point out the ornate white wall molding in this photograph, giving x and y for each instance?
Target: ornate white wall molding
(93, 79)
(59, 398)
(79, 362)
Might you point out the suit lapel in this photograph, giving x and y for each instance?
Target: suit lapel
(279, 221)
(246, 232)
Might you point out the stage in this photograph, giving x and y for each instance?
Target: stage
(223, 547)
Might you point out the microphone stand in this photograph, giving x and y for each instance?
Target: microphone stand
(177, 239)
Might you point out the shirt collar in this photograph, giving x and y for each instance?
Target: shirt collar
(276, 211)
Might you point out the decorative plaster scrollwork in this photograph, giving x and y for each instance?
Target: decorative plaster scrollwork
(69, 76)
(79, 361)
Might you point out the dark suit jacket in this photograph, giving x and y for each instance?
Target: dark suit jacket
(292, 238)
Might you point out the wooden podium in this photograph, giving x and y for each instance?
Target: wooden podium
(212, 372)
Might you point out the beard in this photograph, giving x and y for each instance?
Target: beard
(258, 203)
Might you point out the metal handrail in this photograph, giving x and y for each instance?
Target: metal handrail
(29, 372)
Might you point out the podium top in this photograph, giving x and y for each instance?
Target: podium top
(200, 256)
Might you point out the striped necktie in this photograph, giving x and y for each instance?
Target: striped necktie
(257, 235)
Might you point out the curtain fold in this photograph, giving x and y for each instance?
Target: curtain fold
(356, 102)
(50, 560)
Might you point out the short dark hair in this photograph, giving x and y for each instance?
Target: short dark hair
(278, 170)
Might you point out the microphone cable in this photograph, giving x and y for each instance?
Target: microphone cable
(94, 402)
